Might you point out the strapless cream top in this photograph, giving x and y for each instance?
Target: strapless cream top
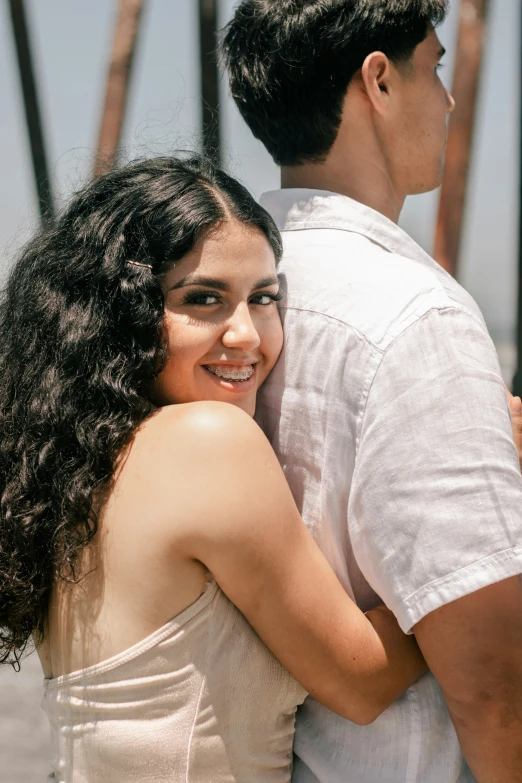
(201, 700)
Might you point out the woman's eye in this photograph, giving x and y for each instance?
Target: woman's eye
(202, 299)
(265, 299)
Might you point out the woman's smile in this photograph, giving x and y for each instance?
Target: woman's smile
(234, 378)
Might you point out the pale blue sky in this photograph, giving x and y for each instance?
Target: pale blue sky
(71, 44)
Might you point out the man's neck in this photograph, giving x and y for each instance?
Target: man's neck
(362, 180)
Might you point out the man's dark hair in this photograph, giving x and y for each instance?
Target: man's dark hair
(290, 63)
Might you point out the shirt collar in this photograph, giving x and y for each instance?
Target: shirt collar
(298, 209)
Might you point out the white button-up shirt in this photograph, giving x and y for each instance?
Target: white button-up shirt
(388, 413)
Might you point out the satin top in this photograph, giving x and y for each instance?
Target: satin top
(201, 700)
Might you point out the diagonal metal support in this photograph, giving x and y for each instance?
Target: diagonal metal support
(124, 46)
(209, 78)
(473, 19)
(32, 109)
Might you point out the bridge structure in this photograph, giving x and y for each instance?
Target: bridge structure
(473, 30)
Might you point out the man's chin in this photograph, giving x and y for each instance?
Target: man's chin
(428, 185)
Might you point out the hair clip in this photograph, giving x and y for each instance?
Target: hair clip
(138, 263)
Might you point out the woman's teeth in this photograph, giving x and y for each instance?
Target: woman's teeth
(231, 374)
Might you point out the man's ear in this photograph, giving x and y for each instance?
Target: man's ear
(375, 74)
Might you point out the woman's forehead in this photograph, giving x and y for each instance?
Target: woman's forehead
(230, 253)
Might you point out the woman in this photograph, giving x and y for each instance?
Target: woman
(131, 495)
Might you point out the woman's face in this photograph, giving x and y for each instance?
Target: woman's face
(222, 324)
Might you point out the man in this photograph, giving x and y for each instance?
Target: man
(387, 408)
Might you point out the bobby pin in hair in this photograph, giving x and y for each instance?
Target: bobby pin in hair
(138, 263)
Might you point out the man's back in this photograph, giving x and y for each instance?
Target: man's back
(372, 410)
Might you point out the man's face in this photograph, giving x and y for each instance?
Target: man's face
(419, 120)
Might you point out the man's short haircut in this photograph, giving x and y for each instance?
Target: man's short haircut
(290, 63)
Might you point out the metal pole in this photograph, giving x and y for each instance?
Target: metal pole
(124, 45)
(32, 109)
(209, 78)
(517, 379)
(473, 16)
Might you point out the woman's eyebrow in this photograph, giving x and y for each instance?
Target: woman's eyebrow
(209, 282)
(266, 282)
(219, 285)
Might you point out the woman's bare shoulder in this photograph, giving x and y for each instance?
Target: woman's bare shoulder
(197, 444)
(181, 428)
(187, 461)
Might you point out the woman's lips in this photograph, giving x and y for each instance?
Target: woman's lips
(231, 372)
(236, 385)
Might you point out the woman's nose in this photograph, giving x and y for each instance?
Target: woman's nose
(240, 331)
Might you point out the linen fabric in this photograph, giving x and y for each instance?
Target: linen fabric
(388, 413)
(201, 699)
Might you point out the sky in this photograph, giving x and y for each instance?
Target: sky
(71, 41)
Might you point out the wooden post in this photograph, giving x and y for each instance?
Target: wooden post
(517, 379)
(124, 45)
(209, 78)
(473, 16)
(32, 109)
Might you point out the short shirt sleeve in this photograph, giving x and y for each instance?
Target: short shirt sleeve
(435, 509)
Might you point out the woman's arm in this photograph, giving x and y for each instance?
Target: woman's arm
(239, 519)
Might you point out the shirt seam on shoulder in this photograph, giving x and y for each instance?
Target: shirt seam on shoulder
(383, 351)
(446, 308)
(336, 320)
(374, 240)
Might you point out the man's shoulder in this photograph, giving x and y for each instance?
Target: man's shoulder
(346, 277)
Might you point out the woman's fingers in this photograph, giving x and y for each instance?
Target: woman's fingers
(515, 405)
(515, 408)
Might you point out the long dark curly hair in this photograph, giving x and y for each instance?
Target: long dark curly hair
(80, 342)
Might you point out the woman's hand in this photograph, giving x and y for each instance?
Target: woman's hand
(515, 409)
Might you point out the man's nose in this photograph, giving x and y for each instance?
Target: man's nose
(450, 102)
(241, 331)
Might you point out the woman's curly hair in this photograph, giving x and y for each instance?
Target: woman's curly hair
(80, 343)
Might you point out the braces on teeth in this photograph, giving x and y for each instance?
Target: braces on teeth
(232, 375)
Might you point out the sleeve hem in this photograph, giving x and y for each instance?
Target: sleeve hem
(458, 584)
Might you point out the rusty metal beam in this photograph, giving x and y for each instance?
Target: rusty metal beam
(517, 379)
(124, 45)
(32, 109)
(473, 18)
(209, 78)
